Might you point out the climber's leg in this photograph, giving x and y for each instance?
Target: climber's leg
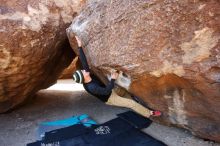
(116, 100)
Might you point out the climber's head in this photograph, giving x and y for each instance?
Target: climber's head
(82, 76)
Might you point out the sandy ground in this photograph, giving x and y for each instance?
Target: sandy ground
(66, 99)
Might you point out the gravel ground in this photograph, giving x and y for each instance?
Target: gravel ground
(60, 101)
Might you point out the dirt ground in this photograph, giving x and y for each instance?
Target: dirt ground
(66, 99)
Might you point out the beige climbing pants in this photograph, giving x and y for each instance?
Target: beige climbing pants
(116, 100)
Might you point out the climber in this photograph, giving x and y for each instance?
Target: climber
(105, 93)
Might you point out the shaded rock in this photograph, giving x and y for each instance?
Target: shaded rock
(33, 47)
(68, 72)
(168, 50)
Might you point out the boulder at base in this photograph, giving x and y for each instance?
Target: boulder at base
(34, 48)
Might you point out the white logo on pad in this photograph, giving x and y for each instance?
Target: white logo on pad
(102, 130)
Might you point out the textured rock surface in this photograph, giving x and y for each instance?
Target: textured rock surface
(169, 51)
(33, 47)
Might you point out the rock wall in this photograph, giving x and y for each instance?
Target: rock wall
(33, 47)
(169, 51)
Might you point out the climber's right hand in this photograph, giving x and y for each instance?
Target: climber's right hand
(114, 75)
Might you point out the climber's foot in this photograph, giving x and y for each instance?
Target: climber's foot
(156, 113)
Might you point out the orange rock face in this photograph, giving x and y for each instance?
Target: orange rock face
(169, 51)
(33, 46)
(68, 72)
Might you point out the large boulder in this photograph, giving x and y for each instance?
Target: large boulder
(168, 50)
(34, 48)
